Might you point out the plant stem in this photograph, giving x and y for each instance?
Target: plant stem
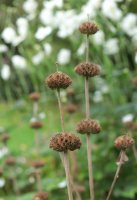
(38, 177)
(134, 151)
(87, 98)
(68, 178)
(122, 154)
(60, 109)
(35, 109)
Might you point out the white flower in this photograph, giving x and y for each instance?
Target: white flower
(99, 37)
(129, 23)
(30, 6)
(104, 89)
(97, 96)
(3, 151)
(62, 184)
(8, 34)
(22, 26)
(43, 32)
(111, 46)
(2, 182)
(46, 17)
(17, 40)
(3, 48)
(19, 62)
(64, 56)
(36, 59)
(52, 4)
(5, 72)
(42, 115)
(136, 57)
(110, 10)
(47, 48)
(127, 118)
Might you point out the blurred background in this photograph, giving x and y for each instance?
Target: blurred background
(33, 36)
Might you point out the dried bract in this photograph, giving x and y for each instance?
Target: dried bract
(41, 196)
(88, 28)
(34, 96)
(124, 142)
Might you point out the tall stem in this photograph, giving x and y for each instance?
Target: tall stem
(134, 151)
(39, 183)
(87, 98)
(68, 178)
(122, 154)
(35, 109)
(60, 109)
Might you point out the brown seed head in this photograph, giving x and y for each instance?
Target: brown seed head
(88, 126)
(58, 80)
(88, 28)
(10, 161)
(38, 164)
(5, 137)
(71, 108)
(65, 141)
(36, 124)
(124, 142)
(41, 196)
(34, 96)
(87, 69)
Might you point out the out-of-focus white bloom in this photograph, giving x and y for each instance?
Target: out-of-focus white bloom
(62, 184)
(36, 59)
(136, 57)
(104, 89)
(19, 62)
(63, 96)
(43, 32)
(2, 182)
(97, 97)
(99, 37)
(30, 6)
(64, 56)
(127, 118)
(42, 115)
(5, 72)
(8, 34)
(81, 49)
(90, 8)
(3, 48)
(49, 5)
(3, 152)
(47, 17)
(17, 40)
(47, 48)
(111, 46)
(111, 10)
(22, 26)
(32, 179)
(129, 23)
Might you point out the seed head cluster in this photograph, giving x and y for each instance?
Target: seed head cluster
(87, 126)
(41, 196)
(34, 96)
(88, 28)
(36, 124)
(87, 69)
(38, 164)
(58, 80)
(65, 141)
(124, 142)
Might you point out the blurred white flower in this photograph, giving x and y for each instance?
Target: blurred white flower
(22, 26)
(19, 62)
(63, 96)
(81, 49)
(97, 97)
(99, 37)
(5, 72)
(3, 152)
(3, 48)
(36, 59)
(90, 8)
(43, 32)
(111, 46)
(42, 115)
(52, 4)
(30, 6)
(127, 118)
(47, 48)
(17, 40)
(8, 34)
(104, 89)
(47, 17)
(111, 10)
(62, 184)
(136, 57)
(64, 56)
(2, 182)
(129, 23)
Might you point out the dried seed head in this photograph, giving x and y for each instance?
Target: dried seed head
(34, 96)
(124, 142)
(88, 28)
(38, 164)
(134, 80)
(36, 124)
(65, 141)
(5, 137)
(71, 108)
(87, 69)
(58, 80)
(41, 196)
(10, 161)
(88, 126)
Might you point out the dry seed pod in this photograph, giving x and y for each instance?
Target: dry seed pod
(88, 126)
(38, 164)
(71, 108)
(5, 137)
(124, 142)
(41, 196)
(34, 96)
(10, 161)
(58, 80)
(87, 69)
(65, 141)
(36, 124)
(88, 28)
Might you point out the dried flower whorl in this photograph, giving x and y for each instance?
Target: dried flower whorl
(124, 142)
(87, 69)
(71, 108)
(65, 141)
(88, 28)
(88, 126)
(10, 161)
(34, 96)
(58, 80)
(38, 164)
(36, 124)
(41, 196)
